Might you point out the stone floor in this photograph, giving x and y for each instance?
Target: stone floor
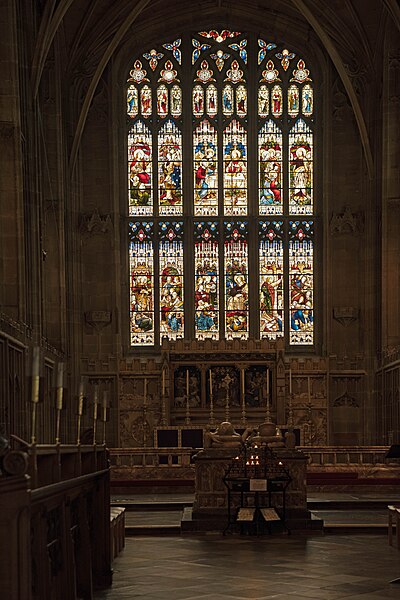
(356, 567)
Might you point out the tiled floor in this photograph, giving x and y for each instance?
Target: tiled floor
(357, 567)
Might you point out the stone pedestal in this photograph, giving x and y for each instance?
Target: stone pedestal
(210, 508)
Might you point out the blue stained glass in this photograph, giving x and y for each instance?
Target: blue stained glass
(264, 49)
(241, 48)
(198, 49)
(174, 48)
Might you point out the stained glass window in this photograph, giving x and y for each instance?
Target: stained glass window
(206, 286)
(236, 280)
(271, 279)
(300, 169)
(171, 280)
(301, 275)
(205, 161)
(141, 268)
(140, 170)
(235, 169)
(170, 169)
(270, 169)
(222, 165)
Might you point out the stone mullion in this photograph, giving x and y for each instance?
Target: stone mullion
(252, 170)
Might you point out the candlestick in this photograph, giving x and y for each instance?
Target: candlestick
(187, 419)
(243, 375)
(95, 406)
(267, 382)
(212, 420)
(104, 415)
(290, 381)
(35, 375)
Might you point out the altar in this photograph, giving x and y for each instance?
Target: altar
(211, 505)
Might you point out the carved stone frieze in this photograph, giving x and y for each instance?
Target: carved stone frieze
(96, 224)
(98, 319)
(346, 400)
(345, 315)
(346, 222)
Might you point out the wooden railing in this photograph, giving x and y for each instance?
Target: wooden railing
(54, 523)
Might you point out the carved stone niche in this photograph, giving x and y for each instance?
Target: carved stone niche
(95, 224)
(346, 222)
(345, 315)
(98, 319)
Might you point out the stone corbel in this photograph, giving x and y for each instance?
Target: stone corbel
(96, 224)
(345, 315)
(346, 222)
(98, 319)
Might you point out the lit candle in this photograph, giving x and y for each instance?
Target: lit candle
(60, 378)
(187, 382)
(35, 361)
(60, 375)
(290, 381)
(95, 404)
(105, 394)
(80, 405)
(35, 374)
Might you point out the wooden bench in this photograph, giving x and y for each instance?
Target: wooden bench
(117, 530)
(394, 521)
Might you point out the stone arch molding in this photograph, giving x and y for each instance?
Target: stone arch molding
(55, 12)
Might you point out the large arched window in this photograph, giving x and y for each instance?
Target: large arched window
(220, 175)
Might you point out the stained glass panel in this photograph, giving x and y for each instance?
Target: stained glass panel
(141, 268)
(206, 285)
(132, 101)
(236, 281)
(140, 170)
(170, 169)
(293, 101)
(307, 100)
(263, 101)
(176, 101)
(301, 304)
(198, 101)
(241, 101)
(276, 101)
(270, 169)
(171, 280)
(211, 100)
(227, 101)
(271, 279)
(145, 101)
(205, 156)
(235, 169)
(300, 169)
(162, 101)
